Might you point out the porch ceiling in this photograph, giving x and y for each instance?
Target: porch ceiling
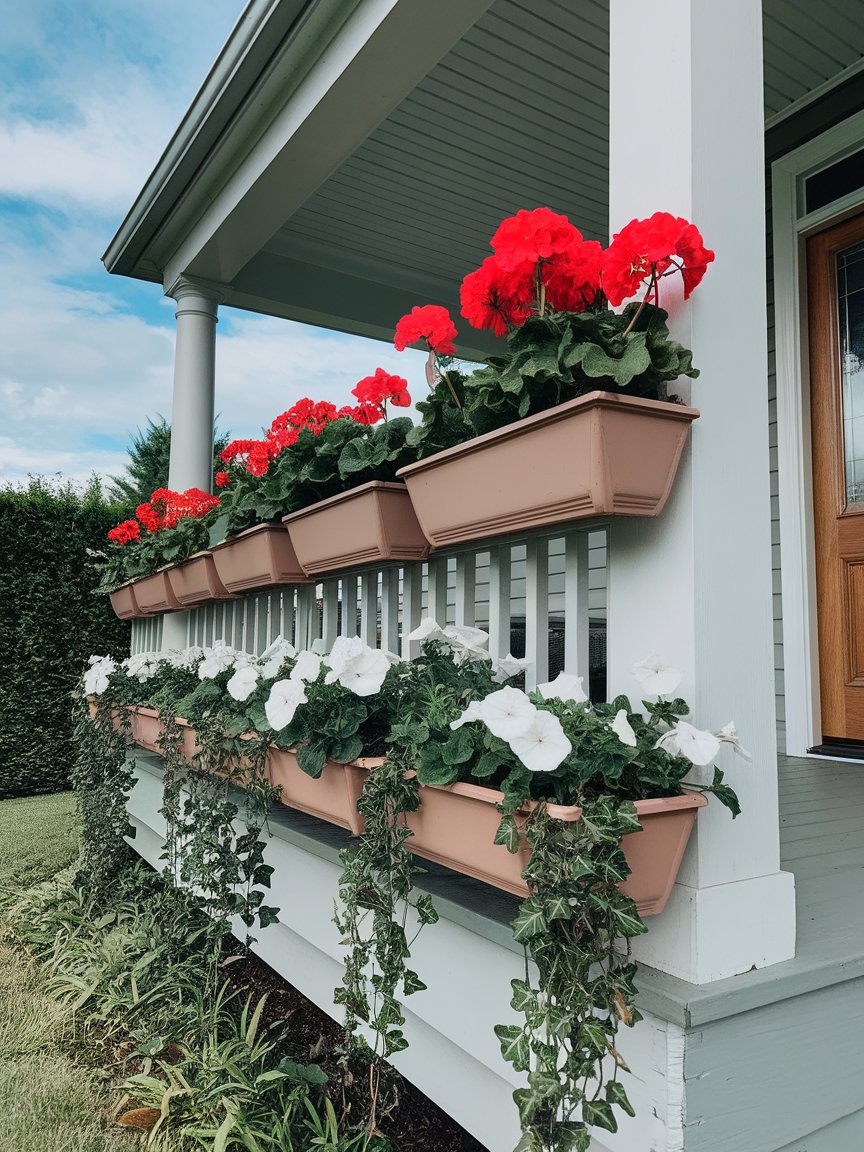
(387, 192)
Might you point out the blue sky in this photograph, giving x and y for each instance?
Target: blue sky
(90, 92)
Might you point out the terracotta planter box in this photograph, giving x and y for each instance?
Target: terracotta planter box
(147, 728)
(196, 581)
(124, 603)
(367, 525)
(154, 594)
(455, 826)
(258, 558)
(602, 454)
(332, 796)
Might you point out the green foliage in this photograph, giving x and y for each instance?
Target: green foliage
(102, 777)
(562, 355)
(50, 622)
(149, 457)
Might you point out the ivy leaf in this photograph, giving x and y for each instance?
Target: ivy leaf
(615, 1094)
(593, 1035)
(514, 1046)
(628, 922)
(411, 983)
(557, 908)
(426, 912)
(508, 834)
(524, 997)
(529, 922)
(599, 1114)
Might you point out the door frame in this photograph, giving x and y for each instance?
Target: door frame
(791, 228)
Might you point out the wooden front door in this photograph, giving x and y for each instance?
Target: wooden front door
(835, 278)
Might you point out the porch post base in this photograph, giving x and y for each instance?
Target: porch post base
(707, 934)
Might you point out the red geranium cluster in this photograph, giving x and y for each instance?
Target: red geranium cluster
(309, 415)
(540, 259)
(645, 250)
(164, 509)
(378, 389)
(123, 533)
(431, 323)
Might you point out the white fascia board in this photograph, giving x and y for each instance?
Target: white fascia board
(255, 38)
(375, 58)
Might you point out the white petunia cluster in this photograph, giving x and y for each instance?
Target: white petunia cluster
(535, 736)
(96, 676)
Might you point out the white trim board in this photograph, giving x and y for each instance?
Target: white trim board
(797, 566)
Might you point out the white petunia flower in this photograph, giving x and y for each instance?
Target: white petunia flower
(622, 728)
(509, 667)
(344, 650)
(729, 735)
(507, 713)
(425, 630)
(307, 668)
(543, 746)
(96, 676)
(362, 671)
(188, 658)
(217, 659)
(656, 676)
(242, 684)
(274, 656)
(698, 746)
(473, 712)
(564, 687)
(285, 698)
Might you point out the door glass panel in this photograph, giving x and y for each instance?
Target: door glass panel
(850, 295)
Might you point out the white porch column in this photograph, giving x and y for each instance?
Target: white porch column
(194, 385)
(686, 136)
(191, 463)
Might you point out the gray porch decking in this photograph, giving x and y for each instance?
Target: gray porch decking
(822, 842)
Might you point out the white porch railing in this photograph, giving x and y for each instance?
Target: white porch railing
(543, 597)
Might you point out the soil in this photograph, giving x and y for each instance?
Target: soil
(409, 1120)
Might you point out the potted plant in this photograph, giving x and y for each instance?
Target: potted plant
(573, 420)
(168, 528)
(328, 473)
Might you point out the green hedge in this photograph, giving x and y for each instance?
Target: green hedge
(51, 620)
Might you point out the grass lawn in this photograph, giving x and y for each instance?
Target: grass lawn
(49, 1101)
(38, 837)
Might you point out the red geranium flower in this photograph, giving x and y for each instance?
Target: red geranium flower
(431, 323)
(222, 479)
(572, 278)
(535, 235)
(644, 250)
(495, 297)
(234, 449)
(148, 516)
(123, 533)
(380, 388)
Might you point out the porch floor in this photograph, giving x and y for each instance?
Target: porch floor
(822, 842)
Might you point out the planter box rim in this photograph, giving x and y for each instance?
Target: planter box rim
(345, 497)
(255, 529)
(591, 400)
(689, 799)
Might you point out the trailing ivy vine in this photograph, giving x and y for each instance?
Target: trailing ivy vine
(102, 776)
(376, 893)
(571, 925)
